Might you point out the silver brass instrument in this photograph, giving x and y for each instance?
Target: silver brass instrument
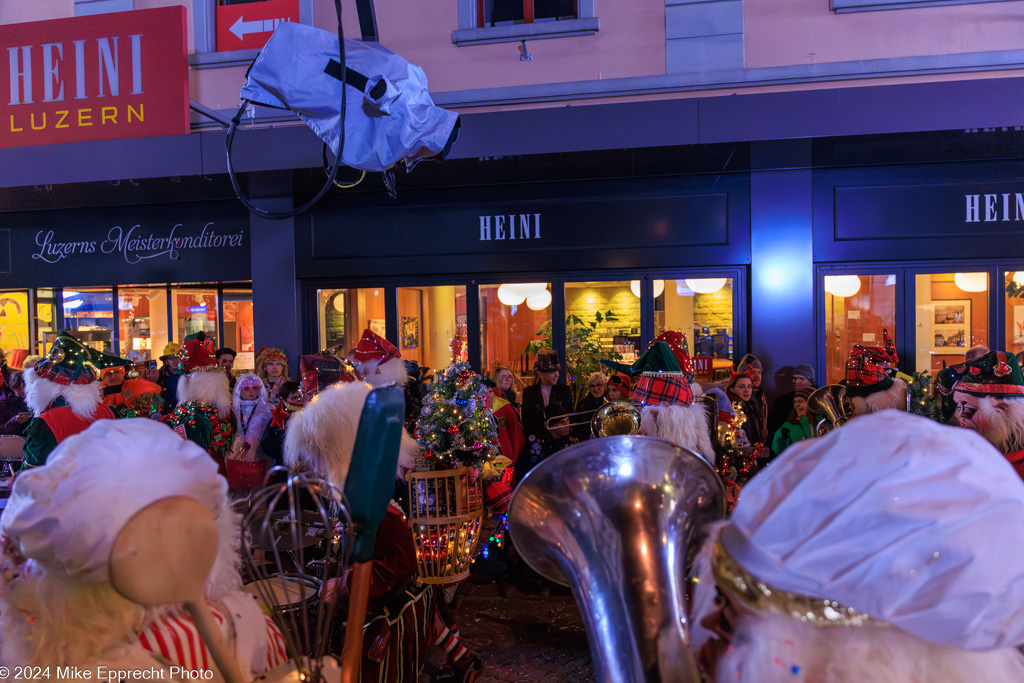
(617, 418)
(616, 519)
(710, 404)
(830, 403)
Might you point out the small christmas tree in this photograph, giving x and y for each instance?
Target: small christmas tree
(455, 426)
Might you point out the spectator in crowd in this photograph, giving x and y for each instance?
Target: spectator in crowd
(504, 381)
(797, 426)
(226, 359)
(272, 367)
(170, 373)
(14, 412)
(618, 388)
(803, 378)
(740, 389)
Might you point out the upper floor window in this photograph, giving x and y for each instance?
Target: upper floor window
(89, 7)
(842, 6)
(497, 21)
(231, 32)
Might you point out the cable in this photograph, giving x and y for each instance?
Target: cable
(229, 141)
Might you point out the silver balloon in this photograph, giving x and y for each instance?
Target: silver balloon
(615, 519)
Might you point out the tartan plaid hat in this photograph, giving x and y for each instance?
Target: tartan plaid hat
(994, 374)
(69, 361)
(320, 370)
(661, 380)
(867, 368)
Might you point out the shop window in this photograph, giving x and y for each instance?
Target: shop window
(238, 328)
(702, 309)
(857, 309)
(602, 320)
(1013, 287)
(495, 21)
(89, 315)
(343, 314)
(952, 317)
(194, 310)
(515, 321)
(45, 322)
(428, 320)
(14, 323)
(142, 320)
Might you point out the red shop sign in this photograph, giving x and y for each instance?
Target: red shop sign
(248, 26)
(100, 77)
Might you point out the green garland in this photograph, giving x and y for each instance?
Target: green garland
(190, 415)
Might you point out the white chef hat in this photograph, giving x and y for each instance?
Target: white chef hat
(66, 514)
(891, 519)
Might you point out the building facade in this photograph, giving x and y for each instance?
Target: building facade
(721, 168)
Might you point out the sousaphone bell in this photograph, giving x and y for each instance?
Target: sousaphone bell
(829, 402)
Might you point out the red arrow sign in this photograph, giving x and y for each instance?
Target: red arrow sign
(249, 25)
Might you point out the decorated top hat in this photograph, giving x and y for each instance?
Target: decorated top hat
(994, 374)
(197, 353)
(547, 361)
(321, 370)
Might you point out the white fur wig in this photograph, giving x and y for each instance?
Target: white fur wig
(682, 425)
(894, 397)
(322, 435)
(81, 398)
(57, 605)
(383, 374)
(209, 387)
(1001, 421)
(252, 380)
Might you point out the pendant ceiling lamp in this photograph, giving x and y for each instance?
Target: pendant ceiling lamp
(659, 287)
(842, 285)
(708, 285)
(971, 282)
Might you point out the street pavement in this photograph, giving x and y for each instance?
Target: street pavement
(522, 637)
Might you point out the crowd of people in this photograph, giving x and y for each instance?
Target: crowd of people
(883, 477)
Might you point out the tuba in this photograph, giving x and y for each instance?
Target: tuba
(830, 403)
(616, 519)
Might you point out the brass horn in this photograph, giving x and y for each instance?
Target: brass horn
(830, 403)
(612, 419)
(616, 519)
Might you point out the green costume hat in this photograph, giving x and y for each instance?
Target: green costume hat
(657, 358)
(661, 380)
(69, 361)
(994, 374)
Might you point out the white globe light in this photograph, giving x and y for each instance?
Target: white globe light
(528, 289)
(971, 282)
(707, 285)
(1018, 277)
(539, 302)
(509, 297)
(842, 285)
(659, 287)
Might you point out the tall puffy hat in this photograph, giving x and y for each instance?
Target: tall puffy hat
(994, 374)
(69, 362)
(661, 381)
(66, 514)
(867, 369)
(321, 370)
(197, 353)
(889, 520)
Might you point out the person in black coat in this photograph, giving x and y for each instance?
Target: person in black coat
(545, 391)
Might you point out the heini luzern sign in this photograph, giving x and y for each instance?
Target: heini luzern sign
(100, 77)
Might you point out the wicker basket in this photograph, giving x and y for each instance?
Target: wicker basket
(445, 511)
